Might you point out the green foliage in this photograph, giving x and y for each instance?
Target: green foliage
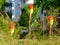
(34, 15)
(24, 18)
(1, 3)
(47, 3)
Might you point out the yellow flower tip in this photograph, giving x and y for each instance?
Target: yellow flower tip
(12, 31)
(30, 11)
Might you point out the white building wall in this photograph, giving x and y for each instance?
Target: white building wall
(16, 10)
(7, 9)
(29, 1)
(8, 1)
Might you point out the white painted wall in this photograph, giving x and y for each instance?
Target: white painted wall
(7, 9)
(16, 10)
(29, 1)
(8, 1)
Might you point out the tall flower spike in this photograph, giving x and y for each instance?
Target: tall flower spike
(30, 8)
(50, 20)
(50, 17)
(12, 28)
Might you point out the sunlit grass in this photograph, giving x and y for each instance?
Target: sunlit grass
(7, 39)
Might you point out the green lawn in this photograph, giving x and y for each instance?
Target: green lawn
(7, 39)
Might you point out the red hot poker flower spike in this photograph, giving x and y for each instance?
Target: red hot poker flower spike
(50, 17)
(12, 25)
(30, 6)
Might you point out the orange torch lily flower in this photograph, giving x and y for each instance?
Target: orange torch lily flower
(50, 17)
(12, 28)
(30, 8)
(50, 20)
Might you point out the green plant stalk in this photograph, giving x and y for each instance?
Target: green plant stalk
(29, 27)
(50, 32)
